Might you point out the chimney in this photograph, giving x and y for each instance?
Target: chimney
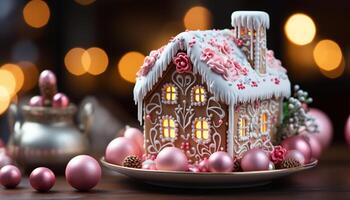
(250, 26)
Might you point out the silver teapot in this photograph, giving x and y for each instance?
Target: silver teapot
(48, 136)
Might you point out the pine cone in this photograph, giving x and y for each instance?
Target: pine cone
(132, 162)
(290, 163)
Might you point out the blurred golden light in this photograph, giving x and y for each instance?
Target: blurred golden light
(85, 2)
(8, 81)
(335, 73)
(327, 55)
(75, 62)
(17, 73)
(300, 29)
(95, 60)
(197, 17)
(36, 13)
(31, 75)
(5, 99)
(129, 64)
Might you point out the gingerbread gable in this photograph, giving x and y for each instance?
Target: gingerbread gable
(222, 64)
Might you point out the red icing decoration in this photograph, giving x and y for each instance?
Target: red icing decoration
(182, 62)
(254, 84)
(240, 86)
(278, 154)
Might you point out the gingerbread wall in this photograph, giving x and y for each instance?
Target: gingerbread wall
(184, 112)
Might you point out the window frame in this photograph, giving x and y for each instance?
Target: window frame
(201, 140)
(266, 123)
(169, 128)
(165, 93)
(202, 95)
(246, 128)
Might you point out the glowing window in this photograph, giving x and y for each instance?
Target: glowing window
(199, 94)
(263, 122)
(201, 129)
(170, 93)
(243, 127)
(169, 128)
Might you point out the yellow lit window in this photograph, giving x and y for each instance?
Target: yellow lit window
(263, 122)
(169, 128)
(170, 93)
(201, 129)
(199, 95)
(243, 127)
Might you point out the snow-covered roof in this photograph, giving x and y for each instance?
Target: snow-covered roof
(222, 65)
(250, 19)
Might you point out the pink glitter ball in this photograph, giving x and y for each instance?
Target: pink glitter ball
(83, 172)
(10, 176)
(171, 159)
(60, 100)
(220, 162)
(42, 179)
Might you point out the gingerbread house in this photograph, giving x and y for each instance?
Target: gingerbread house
(214, 90)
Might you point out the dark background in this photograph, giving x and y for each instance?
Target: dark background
(122, 26)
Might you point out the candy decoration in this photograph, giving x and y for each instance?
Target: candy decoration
(315, 145)
(171, 159)
(296, 155)
(324, 136)
(255, 160)
(347, 130)
(47, 84)
(278, 154)
(36, 101)
(298, 143)
(119, 148)
(290, 163)
(135, 135)
(10, 176)
(220, 162)
(83, 172)
(60, 100)
(42, 179)
(203, 165)
(132, 162)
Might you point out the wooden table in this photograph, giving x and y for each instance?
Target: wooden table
(329, 180)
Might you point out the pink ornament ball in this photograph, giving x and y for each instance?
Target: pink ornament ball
(42, 179)
(10, 176)
(347, 130)
(36, 101)
(298, 143)
(296, 155)
(315, 145)
(171, 159)
(220, 162)
(119, 148)
(47, 77)
(60, 100)
(135, 135)
(324, 136)
(255, 160)
(83, 172)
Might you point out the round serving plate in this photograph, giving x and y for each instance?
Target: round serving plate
(204, 179)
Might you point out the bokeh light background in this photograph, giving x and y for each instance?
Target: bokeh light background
(96, 46)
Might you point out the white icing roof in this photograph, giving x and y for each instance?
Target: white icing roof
(250, 19)
(231, 88)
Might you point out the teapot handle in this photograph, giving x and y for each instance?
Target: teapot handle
(86, 117)
(12, 117)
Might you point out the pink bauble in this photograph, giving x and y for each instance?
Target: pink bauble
(119, 148)
(315, 145)
(10, 176)
(83, 172)
(324, 136)
(171, 159)
(135, 135)
(204, 165)
(347, 130)
(298, 143)
(296, 155)
(47, 77)
(255, 160)
(60, 100)
(36, 101)
(42, 179)
(220, 162)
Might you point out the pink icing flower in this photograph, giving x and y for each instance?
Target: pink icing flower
(254, 84)
(207, 54)
(278, 154)
(276, 81)
(217, 64)
(239, 42)
(182, 62)
(240, 86)
(224, 48)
